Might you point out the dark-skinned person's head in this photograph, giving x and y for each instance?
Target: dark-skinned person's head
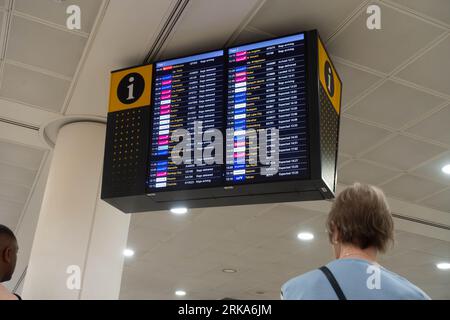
(8, 250)
(360, 218)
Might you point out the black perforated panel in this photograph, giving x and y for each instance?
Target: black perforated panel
(126, 152)
(329, 127)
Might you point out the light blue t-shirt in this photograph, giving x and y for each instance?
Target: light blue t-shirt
(352, 276)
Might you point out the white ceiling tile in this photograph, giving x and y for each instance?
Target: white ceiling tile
(229, 248)
(13, 193)
(246, 240)
(361, 171)
(2, 3)
(39, 45)
(198, 285)
(400, 37)
(315, 225)
(151, 237)
(17, 175)
(199, 238)
(283, 244)
(432, 70)
(342, 159)
(10, 219)
(437, 9)
(356, 137)
(163, 221)
(263, 226)
(288, 214)
(419, 268)
(404, 241)
(437, 291)
(412, 258)
(200, 28)
(435, 127)
(220, 218)
(10, 212)
(55, 11)
(314, 254)
(440, 249)
(219, 260)
(20, 156)
(394, 105)
(440, 201)
(249, 35)
(354, 81)
(10, 207)
(433, 169)
(288, 16)
(217, 278)
(2, 15)
(403, 153)
(34, 88)
(412, 188)
(144, 274)
(168, 253)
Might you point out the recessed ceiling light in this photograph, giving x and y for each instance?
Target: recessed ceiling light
(229, 270)
(179, 210)
(128, 252)
(443, 265)
(446, 169)
(180, 293)
(305, 236)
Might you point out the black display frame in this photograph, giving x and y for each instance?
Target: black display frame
(286, 190)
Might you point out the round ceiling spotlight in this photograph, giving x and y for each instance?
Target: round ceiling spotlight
(180, 293)
(446, 169)
(179, 210)
(443, 266)
(128, 252)
(229, 270)
(305, 236)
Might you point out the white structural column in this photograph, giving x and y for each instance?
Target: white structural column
(76, 230)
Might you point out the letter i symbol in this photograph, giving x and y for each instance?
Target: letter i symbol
(329, 81)
(130, 88)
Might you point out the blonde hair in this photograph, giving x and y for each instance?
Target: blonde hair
(361, 216)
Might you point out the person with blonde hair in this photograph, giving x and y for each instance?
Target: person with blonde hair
(360, 226)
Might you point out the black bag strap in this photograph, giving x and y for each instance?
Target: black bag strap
(333, 282)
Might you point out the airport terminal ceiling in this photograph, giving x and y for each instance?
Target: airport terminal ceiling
(394, 132)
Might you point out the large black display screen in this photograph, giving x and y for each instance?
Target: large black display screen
(267, 90)
(188, 94)
(249, 124)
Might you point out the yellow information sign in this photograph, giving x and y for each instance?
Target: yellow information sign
(130, 88)
(329, 78)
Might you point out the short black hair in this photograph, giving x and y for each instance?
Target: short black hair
(4, 230)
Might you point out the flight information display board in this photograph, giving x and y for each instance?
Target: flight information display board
(267, 90)
(188, 94)
(275, 105)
